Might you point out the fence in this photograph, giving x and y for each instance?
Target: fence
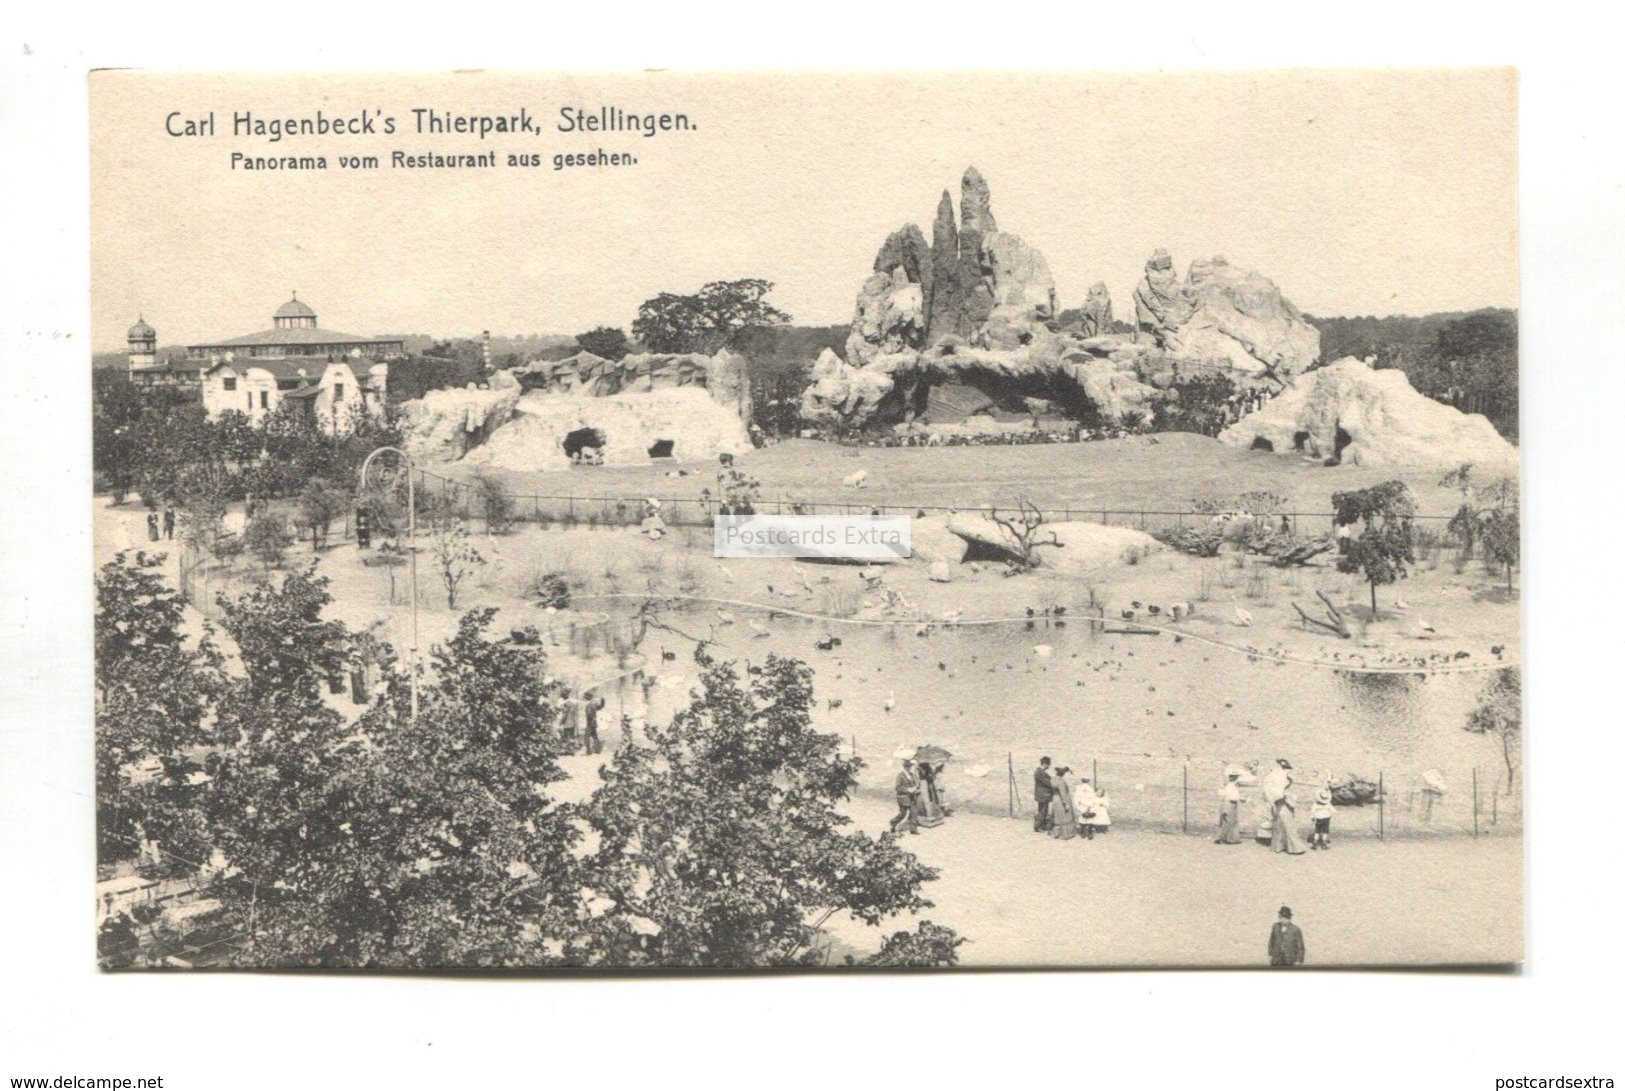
(1176, 796)
(464, 500)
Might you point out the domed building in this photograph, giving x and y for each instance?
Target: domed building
(145, 369)
(327, 373)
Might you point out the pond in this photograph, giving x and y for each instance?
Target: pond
(1158, 720)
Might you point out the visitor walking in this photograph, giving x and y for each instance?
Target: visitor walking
(1230, 809)
(363, 529)
(1063, 812)
(1043, 793)
(1284, 836)
(169, 521)
(1286, 941)
(152, 526)
(908, 795)
(1322, 814)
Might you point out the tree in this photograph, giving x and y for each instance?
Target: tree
(320, 503)
(155, 695)
(425, 842)
(455, 557)
(607, 341)
(708, 320)
(1500, 714)
(1500, 534)
(1385, 545)
(1022, 529)
(928, 946)
(268, 537)
(721, 842)
(496, 503)
(286, 766)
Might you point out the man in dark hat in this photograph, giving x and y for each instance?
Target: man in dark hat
(908, 796)
(1043, 793)
(1286, 941)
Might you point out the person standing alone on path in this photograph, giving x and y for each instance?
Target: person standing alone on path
(1043, 794)
(169, 521)
(908, 796)
(1286, 941)
(152, 526)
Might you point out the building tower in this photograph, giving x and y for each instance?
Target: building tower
(294, 315)
(143, 342)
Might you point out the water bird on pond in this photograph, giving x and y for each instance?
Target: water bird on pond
(1128, 615)
(833, 702)
(827, 644)
(667, 656)
(1426, 626)
(890, 702)
(1030, 611)
(1244, 618)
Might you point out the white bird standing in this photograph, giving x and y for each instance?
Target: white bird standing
(725, 617)
(1426, 626)
(1243, 617)
(757, 627)
(890, 702)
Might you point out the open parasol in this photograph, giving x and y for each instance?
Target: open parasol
(936, 755)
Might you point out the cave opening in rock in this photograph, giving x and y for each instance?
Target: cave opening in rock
(662, 448)
(1299, 439)
(1261, 443)
(1341, 440)
(581, 439)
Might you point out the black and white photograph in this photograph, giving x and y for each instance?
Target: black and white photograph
(484, 475)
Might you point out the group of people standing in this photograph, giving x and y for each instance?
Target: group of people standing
(1280, 826)
(168, 523)
(919, 796)
(1065, 812)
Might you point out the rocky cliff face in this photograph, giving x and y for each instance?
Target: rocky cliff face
(978, 307)
(1222, 313)
(699, 403)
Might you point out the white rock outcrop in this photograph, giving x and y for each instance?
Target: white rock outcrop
(630, 423)
(1384, 421)
(1224, 313)
(445, 424)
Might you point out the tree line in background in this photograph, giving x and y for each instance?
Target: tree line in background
(437, 840)
(1469, 361)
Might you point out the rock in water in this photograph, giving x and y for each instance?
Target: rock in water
(1384, 421)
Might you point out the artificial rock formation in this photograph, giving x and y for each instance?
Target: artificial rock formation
(977, 309)
(692, 405)
(1356, 414)
(1096, 319)
(1233, 317)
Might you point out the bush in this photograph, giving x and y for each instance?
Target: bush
(268, 537)
(495, 503)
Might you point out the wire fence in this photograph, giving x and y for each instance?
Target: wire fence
(466, 500)
(1175, 796)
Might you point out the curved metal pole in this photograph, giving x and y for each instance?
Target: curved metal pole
(412, 550)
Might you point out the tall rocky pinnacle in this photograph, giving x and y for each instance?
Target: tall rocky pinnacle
(1097, 311)
(976, 223)
(906, 247)
(946, 296)
(975, 204)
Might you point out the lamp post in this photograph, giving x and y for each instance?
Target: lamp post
(412, 552)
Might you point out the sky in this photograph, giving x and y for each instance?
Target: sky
(1357, 192)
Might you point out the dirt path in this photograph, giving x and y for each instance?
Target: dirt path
(1135, 898)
